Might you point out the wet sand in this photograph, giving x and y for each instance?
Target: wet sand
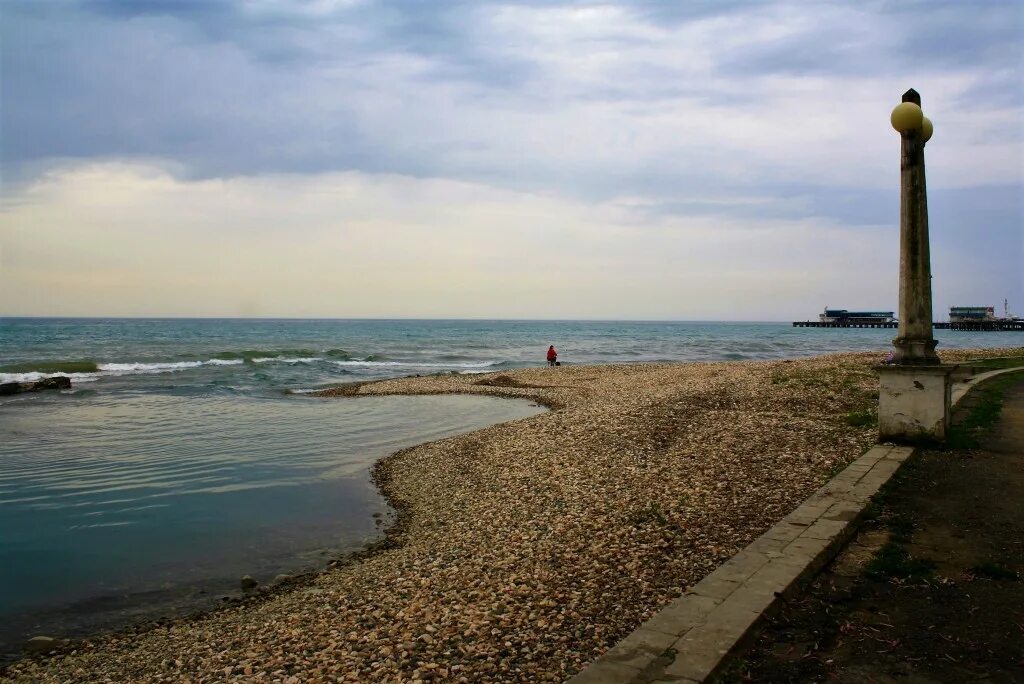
(524, 550)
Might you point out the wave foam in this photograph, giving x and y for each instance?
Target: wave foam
(164, 367)
(35, 376)
(101, 370)
(114, 369)
(264, 355)
(416, 364)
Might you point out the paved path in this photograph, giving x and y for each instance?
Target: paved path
(932, 588)
(1008, 435)
(689, 641)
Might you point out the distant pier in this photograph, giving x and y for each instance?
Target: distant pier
(843, 324)
(982, 325)
(974, 325)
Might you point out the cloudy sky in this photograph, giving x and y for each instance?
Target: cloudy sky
(642, 160)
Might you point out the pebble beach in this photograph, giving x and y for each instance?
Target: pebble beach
(523, 551)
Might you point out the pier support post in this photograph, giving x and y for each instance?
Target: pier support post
(914, 392)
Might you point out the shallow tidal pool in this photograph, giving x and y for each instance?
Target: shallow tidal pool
(120, 507)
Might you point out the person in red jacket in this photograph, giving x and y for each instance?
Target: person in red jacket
(552, 355)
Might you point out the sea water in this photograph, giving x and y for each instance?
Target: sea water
(246, 356)
(188, 452)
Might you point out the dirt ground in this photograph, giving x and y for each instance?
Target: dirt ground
(932, 589)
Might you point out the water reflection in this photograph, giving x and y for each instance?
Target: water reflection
(108, 499)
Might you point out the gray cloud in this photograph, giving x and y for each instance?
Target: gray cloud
(649, 99)
(673, 146)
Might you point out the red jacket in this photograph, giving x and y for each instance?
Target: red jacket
(552, 354)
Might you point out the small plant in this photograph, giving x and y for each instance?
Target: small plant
(893, 561)
(900, 527)
(650, 514)
(863, 418)
(995, 571)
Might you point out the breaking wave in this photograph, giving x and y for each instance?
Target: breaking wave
(33, 376)
(371, 362)
(285, 355)
(91, 371)
(55, 367)
(164, 367)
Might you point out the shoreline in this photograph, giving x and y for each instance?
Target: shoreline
(147, 604)
(398, 477)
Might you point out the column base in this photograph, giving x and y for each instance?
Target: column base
(913, 403)
(918, 352)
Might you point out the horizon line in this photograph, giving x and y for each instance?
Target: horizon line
(386, 318)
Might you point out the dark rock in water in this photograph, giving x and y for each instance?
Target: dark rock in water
(58, 382)
(282, 578)
(41, 644)
(248, 583)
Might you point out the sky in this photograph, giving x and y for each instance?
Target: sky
(637, 160)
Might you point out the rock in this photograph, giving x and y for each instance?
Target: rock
(57, 382)
(41, 644)
(282, 578)
(248, 583)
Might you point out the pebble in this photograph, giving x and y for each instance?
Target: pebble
(523, 551)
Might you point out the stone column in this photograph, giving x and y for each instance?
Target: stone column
(914, 342)
(914, 392)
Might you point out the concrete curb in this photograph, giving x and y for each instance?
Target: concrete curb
(689, 640)
(962, 388)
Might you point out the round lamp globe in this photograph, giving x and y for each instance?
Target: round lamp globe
(906, 116)
(926, 129)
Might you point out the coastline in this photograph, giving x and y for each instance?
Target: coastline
(522, 551)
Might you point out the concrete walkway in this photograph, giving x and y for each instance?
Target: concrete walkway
(932, 587)
(689, 641)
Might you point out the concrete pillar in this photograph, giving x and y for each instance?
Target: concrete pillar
(914, 392)
(914, 342)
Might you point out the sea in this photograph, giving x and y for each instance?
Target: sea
(190, 452)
